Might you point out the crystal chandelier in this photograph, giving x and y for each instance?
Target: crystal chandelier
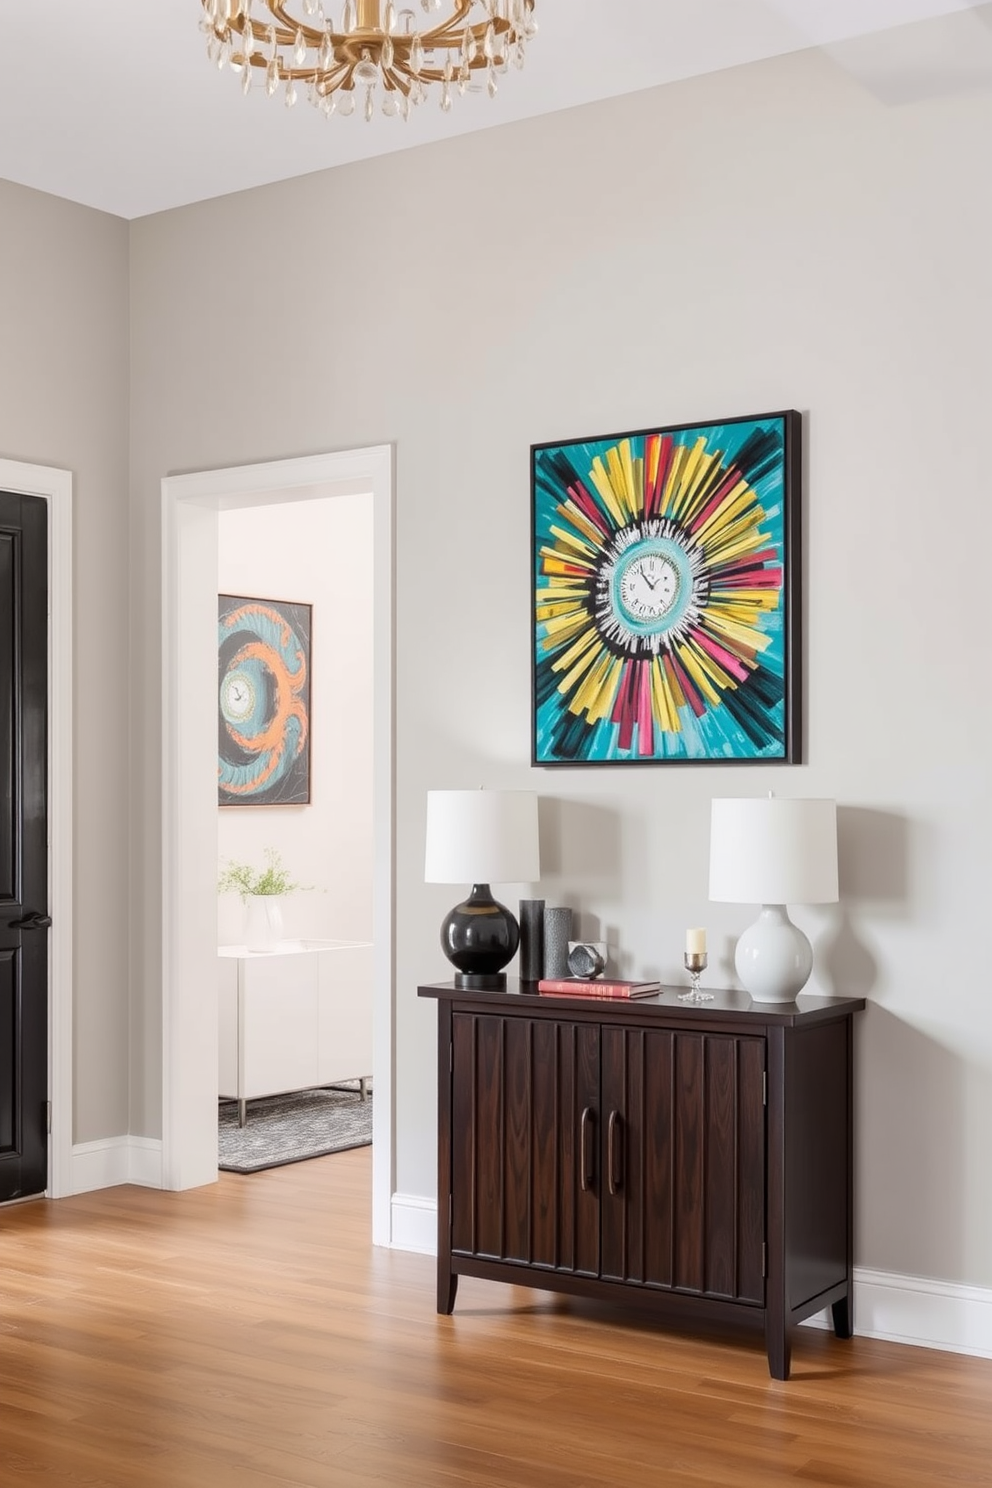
(376, 53)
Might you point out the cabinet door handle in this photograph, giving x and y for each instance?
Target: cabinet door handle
(614, 1149)
(587, 1128)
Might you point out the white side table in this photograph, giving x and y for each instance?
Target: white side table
(294, 1018)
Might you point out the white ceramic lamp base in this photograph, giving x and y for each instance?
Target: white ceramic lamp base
(773, 957)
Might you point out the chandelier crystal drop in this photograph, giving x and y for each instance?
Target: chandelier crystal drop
(368, 51)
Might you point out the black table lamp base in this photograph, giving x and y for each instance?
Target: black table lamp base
(479, 937)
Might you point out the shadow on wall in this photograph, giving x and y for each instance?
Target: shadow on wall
(909, 1087)
(581, 842)
(873, 868)
(910, 1173)
(583, 836)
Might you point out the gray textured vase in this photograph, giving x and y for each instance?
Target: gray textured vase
(557, 934)
(531, 961)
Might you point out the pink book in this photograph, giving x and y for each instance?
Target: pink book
(595, 987)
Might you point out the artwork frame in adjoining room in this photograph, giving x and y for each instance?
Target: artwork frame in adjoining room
(667, 595)
(264, 649)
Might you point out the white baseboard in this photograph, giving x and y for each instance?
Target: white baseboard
(929, 1314)
(413, 1224)
(116, 1160)
(144, 1161)
(900, 1309)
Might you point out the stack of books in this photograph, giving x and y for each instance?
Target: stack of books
(595, 987)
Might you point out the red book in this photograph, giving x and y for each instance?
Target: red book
(595, 987)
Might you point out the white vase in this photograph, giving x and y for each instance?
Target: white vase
(263, 922)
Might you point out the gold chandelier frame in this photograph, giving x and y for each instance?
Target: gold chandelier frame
(376, 47)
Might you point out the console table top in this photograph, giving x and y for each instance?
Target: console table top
(727, 1003)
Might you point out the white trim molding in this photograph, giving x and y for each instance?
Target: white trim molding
(190, 504)
(930, 1314)
(116, 1160)
(55, 487)
(414, 1224)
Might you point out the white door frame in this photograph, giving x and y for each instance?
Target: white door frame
(190, 504)
(55, 487)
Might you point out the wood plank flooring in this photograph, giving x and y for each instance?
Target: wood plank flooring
(247, 1335)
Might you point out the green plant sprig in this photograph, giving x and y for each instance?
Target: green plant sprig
(246, 880)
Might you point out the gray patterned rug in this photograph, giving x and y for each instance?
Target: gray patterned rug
(291, 1128)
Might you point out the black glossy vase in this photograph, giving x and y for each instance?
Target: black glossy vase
(479, 937)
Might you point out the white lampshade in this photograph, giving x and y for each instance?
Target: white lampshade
(767, 850)
(773, 852)
(482, 836)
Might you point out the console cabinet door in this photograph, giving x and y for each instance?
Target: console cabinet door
(683, 1160)
(525, 1141)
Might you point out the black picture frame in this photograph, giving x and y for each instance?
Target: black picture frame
(667, 595)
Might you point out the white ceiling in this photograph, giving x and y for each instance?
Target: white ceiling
(113, 102)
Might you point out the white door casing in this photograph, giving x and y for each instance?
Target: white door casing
(190, 504)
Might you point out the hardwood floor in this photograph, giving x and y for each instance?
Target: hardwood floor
(248, 1336)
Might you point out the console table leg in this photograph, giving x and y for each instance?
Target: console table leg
(242, 1113)
(778, 1346)
(843, 1319)
(447, 1286)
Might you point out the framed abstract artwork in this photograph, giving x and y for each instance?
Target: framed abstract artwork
(667, 605)
(263, 701)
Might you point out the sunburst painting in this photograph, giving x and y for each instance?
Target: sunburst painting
(667, 609)
(263, 702)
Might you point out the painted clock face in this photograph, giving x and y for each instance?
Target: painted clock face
(237, 697)
(646, 590)
(648, 586)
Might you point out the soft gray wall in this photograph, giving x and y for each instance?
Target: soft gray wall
(64, 402)
(763, 238)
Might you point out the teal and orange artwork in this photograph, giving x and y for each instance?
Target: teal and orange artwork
(666, 601)
(263, 702)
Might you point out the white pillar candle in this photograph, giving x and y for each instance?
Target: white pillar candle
(695, 942)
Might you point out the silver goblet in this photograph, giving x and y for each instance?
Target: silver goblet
(695, 964)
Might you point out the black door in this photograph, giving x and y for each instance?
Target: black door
(23, 845)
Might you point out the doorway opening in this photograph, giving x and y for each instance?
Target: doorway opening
(190, 507)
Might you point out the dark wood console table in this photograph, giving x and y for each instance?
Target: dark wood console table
(697, 1157)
